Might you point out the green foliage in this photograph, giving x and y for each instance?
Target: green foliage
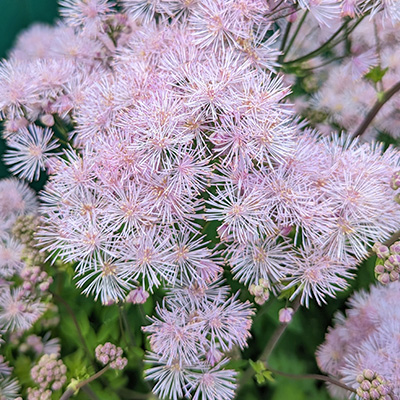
(262, 374)
(376, 74)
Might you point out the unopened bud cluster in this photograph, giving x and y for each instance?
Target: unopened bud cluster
(49, 374)
(34, 278)
(24, 230)
(108, 353)
(260, 291)
(387, 268)
(395, 185)
(373, 386)
(395, 181)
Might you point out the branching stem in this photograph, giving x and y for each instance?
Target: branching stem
(70, 392)
(376, 108)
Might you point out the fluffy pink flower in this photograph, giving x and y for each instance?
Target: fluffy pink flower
(30, 149)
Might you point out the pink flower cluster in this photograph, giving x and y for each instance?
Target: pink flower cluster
(181, 157)
(195, 327)
(185, 126)
(20, 303)
(366, 339)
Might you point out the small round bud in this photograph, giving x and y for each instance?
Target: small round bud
(285, 315)
(137, 296)
(395, 248)
(365, 385)
(395, 180)
(264, 283)
(381, 250)
(369, 374)
(259, 300)
(258, 291)
(47, 119)
(388, 266)
(394, 276)
(360, 378)
(384, 278)
(374, 394)
(379, 269)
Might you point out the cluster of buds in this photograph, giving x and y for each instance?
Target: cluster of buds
(395, 185)
(39, 394)
(373, 386)
(108, 353)
(34, 278)
(49, 374)
(260, 291)
(24, 230)
(137, 296)
(395, 181)
(387, 267)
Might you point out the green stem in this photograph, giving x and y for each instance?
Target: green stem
(273, 341)
(376, 108)
(61, 129)
(323, 64)
(285, 38)
(70, 392)
(323, 47)
(378, 52)
(75, 321)
(296, 32)
(89, 392)
(271, 344)
(318, 377)
(127, 327)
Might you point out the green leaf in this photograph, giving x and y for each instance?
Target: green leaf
(260, 378)
(258, 366)
(268, 376)
(376, 74)
(287, 293)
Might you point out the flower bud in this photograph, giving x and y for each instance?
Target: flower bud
(388, 266)
(374, 394)
(381, 250)
(394, 259)
(285, 315)
(394, 276)
(395, 248)
(258, 291)
(47, 119)
(384, 278)
(137, 296)
(264, 283)
(365, 385)
(368, 374)
(380, 269)
(395, 180)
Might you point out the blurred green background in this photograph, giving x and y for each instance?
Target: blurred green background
(19, 14)
(15, 16)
